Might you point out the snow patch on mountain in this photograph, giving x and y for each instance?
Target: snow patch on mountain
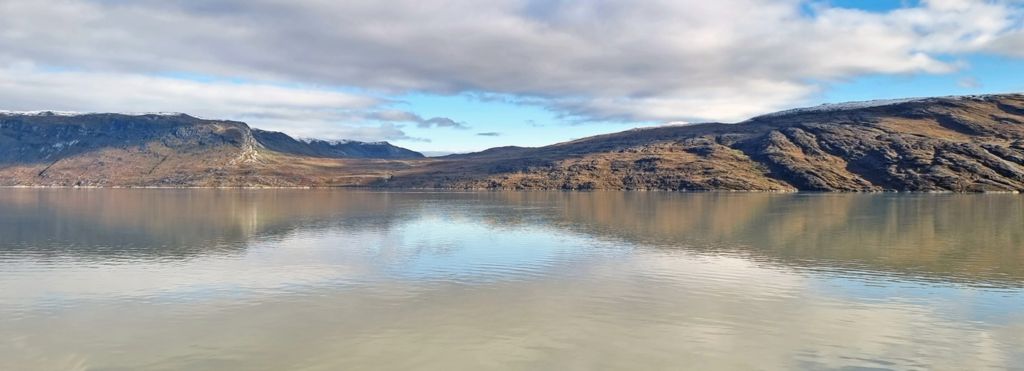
(836, 107)
(337, 142)
(74, 113)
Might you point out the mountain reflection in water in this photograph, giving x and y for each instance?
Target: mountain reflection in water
(321, 279)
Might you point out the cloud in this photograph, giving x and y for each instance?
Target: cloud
(612, 60)
(969, 83)
(403, 116)
(1010, 45)
(296, 110)
(361, 132)
(489, 134)
(441, 122)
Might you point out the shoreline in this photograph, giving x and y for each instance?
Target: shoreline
(386, 189)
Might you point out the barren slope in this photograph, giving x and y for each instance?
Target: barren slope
(175, 150)
(961, 144)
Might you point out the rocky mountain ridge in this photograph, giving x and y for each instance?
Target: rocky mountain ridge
(165, 149)
(958, 144)
(955, 144)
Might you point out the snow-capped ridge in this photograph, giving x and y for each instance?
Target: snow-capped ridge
(76, 113)
(670, 124)
(847, 106)
(335, 142)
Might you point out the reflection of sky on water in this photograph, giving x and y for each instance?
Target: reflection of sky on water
(431, 242)
(473, 253)
(995, 306)
(339, 278)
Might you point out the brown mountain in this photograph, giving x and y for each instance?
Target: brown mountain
(55, 149)
(960, 144)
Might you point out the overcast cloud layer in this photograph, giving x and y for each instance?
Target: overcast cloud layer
(328, 68)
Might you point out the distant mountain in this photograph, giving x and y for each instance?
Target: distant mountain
(283, 143)
(959, 144)
(496, 152)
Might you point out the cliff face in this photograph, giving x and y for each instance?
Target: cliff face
(960, 144)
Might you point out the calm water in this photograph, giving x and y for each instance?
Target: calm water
(328, 280)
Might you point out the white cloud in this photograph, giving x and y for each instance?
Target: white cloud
(297, 110)
(969, 83)
(662, 60)
(1011, 45)
(403, 116)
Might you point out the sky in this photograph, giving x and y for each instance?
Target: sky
(443, 76)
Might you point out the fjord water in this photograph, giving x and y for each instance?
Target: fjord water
(336, 279)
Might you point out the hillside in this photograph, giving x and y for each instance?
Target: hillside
(56, 149)
(959, 144)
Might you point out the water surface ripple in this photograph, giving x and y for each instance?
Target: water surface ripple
(341, 279)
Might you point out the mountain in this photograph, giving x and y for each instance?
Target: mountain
(283, 143)
(959, 144)
(106, 149)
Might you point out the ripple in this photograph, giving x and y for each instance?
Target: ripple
(325, 279)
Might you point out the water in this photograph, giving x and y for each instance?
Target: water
(328, 280)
